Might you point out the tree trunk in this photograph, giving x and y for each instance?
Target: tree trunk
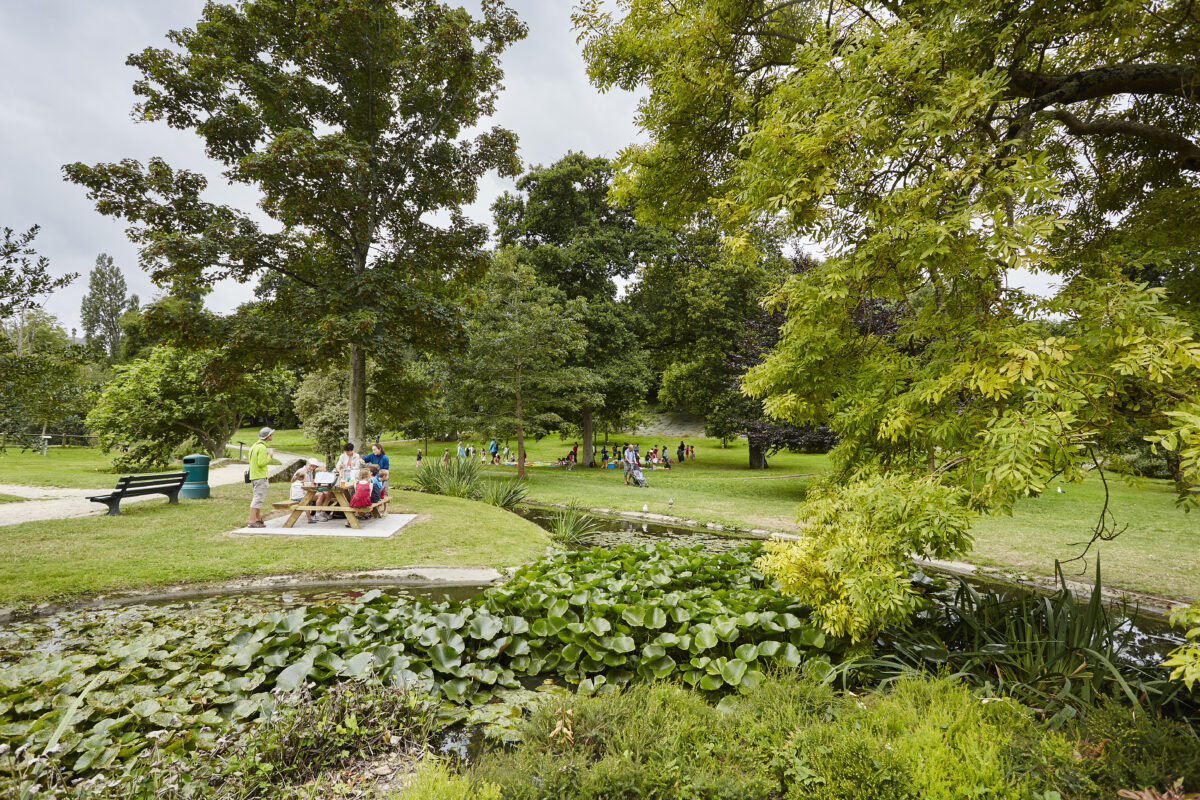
(589, 449)
(358, 398)
(520, 438)
(758, 457)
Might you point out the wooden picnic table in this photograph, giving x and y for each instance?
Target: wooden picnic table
(339, 502)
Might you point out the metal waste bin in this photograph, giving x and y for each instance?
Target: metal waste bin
(195, 485)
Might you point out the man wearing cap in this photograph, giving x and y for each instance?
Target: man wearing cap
(260, 457)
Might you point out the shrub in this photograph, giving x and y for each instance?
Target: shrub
(1126, 748)
(922, 738)
(571, 525)
(505, 494)
(433, 781)
(456, 479)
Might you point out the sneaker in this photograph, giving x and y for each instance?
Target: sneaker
(312, 520)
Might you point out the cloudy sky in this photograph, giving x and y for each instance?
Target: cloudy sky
(68, 97)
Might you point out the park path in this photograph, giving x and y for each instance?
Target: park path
(50, 502)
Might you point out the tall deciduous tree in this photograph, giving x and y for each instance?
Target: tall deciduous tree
(348, 116)
(562, 223)
(932, 148)
(104, 305)
(516, 375)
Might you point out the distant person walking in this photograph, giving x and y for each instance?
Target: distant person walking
(680, 453)
(462, 451)
(260, 458)
(446, 458)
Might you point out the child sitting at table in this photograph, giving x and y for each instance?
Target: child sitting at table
(376, 483)
(383, 479)
(362, 492)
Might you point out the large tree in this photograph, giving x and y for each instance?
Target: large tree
(349, 117)
(562, 223)
(932, 149)
(104, 305)
(516, 376)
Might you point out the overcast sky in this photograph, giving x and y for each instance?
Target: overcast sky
(68, 98)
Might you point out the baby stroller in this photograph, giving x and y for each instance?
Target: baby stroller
(638, 478)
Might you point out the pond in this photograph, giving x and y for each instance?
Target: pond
(1145, 638)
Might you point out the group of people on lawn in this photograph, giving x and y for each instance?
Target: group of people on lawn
(370, 485)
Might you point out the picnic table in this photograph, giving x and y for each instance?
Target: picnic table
(339, 501)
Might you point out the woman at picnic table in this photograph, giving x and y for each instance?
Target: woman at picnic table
(378, 457)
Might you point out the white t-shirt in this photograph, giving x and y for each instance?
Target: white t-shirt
(297, 491)
(354, 462)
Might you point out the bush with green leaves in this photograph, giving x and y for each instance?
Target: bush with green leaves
(790, 737)
(460, 478)
(1185, 659)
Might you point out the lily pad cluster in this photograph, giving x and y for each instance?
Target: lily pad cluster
(598, 618)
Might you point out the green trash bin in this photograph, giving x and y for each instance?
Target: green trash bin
(195, 485)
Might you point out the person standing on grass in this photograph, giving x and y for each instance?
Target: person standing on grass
(260, 458)
(681, 452)
(461, 451)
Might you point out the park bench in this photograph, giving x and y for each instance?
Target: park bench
(168, 483)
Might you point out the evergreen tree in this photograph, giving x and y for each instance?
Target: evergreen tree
(104, 305)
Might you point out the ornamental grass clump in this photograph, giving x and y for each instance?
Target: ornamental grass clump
(570, 526)
(505, 494)
(459, 478)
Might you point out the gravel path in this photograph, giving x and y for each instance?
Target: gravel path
(48, 502)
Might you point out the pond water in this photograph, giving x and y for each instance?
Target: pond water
(1145, 638)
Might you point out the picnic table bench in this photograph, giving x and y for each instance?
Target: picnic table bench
(340, 501)
(168, 483)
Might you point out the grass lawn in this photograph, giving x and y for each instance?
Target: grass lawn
(75, 467)
(155, 543)
(10, 498)
(716, 487)
(1159, 553)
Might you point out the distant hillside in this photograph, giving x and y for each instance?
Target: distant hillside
(672, 423)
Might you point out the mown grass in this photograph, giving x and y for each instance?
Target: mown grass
(717, 487)
(76, 467)
(1158, 552)
(10, 498)
(154, 543)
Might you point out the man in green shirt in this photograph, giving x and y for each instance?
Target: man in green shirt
(260, 457)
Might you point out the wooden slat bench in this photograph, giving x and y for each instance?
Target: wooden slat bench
(168, 483)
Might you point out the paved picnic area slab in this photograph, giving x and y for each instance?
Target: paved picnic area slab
(380, 528)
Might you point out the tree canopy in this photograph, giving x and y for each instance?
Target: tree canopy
(24, 275)
(933, 150)
(563, 224)
(153, 405)
(516, 376)
(349, 117)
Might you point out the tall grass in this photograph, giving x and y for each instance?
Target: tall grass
(505, 494)
(569, 526)
(456, 479)
(1058, 653)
